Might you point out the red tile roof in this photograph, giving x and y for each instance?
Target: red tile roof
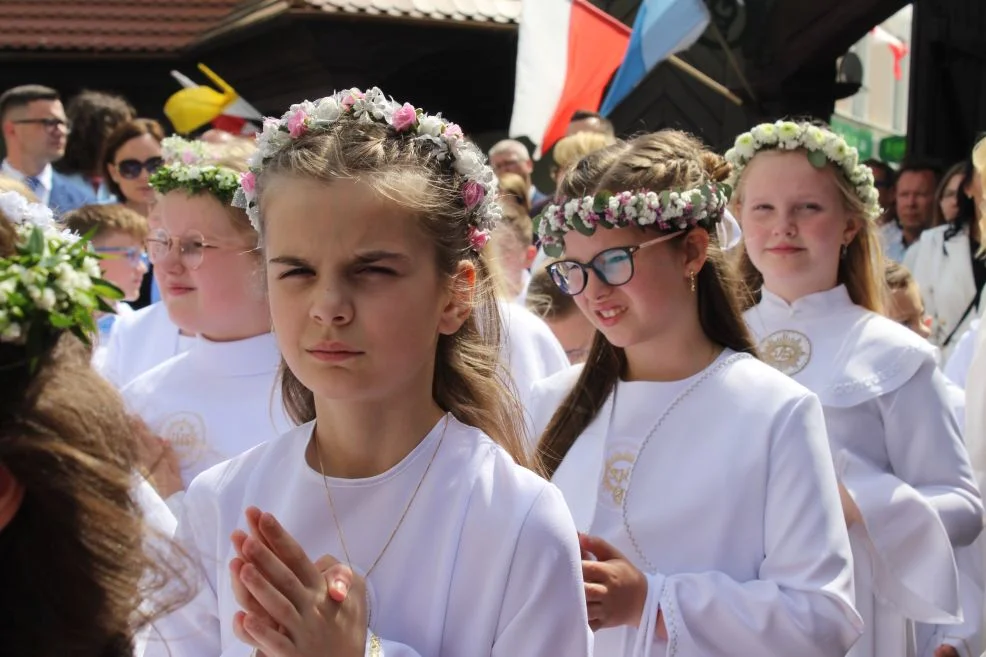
(107, 25)
(498, 11)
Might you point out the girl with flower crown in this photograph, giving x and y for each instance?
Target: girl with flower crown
(710, 528)
(70, 515)
(808, 211)
(397, 518)
(216, 399)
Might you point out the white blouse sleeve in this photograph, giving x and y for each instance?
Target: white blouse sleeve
(193, 630)
(802, 601)
(543, 610)
(925, 448)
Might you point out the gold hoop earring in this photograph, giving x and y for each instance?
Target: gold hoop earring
(691, 280)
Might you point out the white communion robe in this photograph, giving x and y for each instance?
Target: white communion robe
(897, 450)
(720, 488)
(531, 350)
(486, 561)
(140, 341)
(216, 400)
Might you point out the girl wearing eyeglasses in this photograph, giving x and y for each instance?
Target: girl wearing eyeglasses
(118, 235)
(217, 399)
(699, 477)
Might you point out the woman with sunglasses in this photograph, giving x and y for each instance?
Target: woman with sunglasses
(217, 399)
(700, 477)
(131, 154)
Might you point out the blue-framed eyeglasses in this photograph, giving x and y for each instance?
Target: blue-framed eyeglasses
(614, 267)
(133, 255)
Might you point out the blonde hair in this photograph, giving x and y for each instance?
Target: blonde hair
(573, 148)
(515, 189)
(8, 184)
(860, 270)
(470, 380)
(660, 161)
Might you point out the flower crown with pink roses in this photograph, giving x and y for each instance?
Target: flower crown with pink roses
(445, 142)
(670, 211)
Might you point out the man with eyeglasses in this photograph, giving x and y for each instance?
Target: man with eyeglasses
(34, 134)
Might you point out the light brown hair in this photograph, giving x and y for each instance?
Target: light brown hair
(545, 300)
(515, 189)
(659, 161)
(73, 560)
(573, 148)
(860, 269)
(111, 217)
(470, 379)
(8, 184)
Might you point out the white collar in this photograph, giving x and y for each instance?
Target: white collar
(45, 176)
(817, 304)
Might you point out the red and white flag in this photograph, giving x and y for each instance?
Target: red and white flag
(567, 52)
(897, 46)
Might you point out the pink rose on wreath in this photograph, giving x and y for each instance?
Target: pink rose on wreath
(248, 182)
(351, 99)
(453, 131)
(296, 123)
(473, 194)
(404, 118)
(188, 157)
(478, 238)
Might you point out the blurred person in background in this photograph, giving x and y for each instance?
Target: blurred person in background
(131, 154)
(35, 131)
(946, 266)
(93, 116)
(948, 193)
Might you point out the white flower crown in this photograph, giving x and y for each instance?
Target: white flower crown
(446, 141)
(186, 167)
(823, 146)
(668, 211)
(51, 282)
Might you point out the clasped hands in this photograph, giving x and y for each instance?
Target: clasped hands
(292, 606)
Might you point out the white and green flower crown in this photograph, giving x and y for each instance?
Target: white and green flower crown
(50, 283)
(444, 141)
(186, 167)
(822, 145)
(668, 211)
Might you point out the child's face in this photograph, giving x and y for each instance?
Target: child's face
(794, 223)
(513, 256)
(647, 305)
(214, 288)
(357, 299)
(123, 261)
(906, 307)
(575, 334)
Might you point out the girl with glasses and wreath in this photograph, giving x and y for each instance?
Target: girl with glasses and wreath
(216, 399)
(398, 517)
(811, 250)
(699, 477)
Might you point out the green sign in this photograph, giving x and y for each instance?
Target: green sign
(893, 149)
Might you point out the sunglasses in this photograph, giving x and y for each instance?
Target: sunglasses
(131, 169)
(614, 267)
(133, 255)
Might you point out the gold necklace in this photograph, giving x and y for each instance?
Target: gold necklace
(390, 539)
